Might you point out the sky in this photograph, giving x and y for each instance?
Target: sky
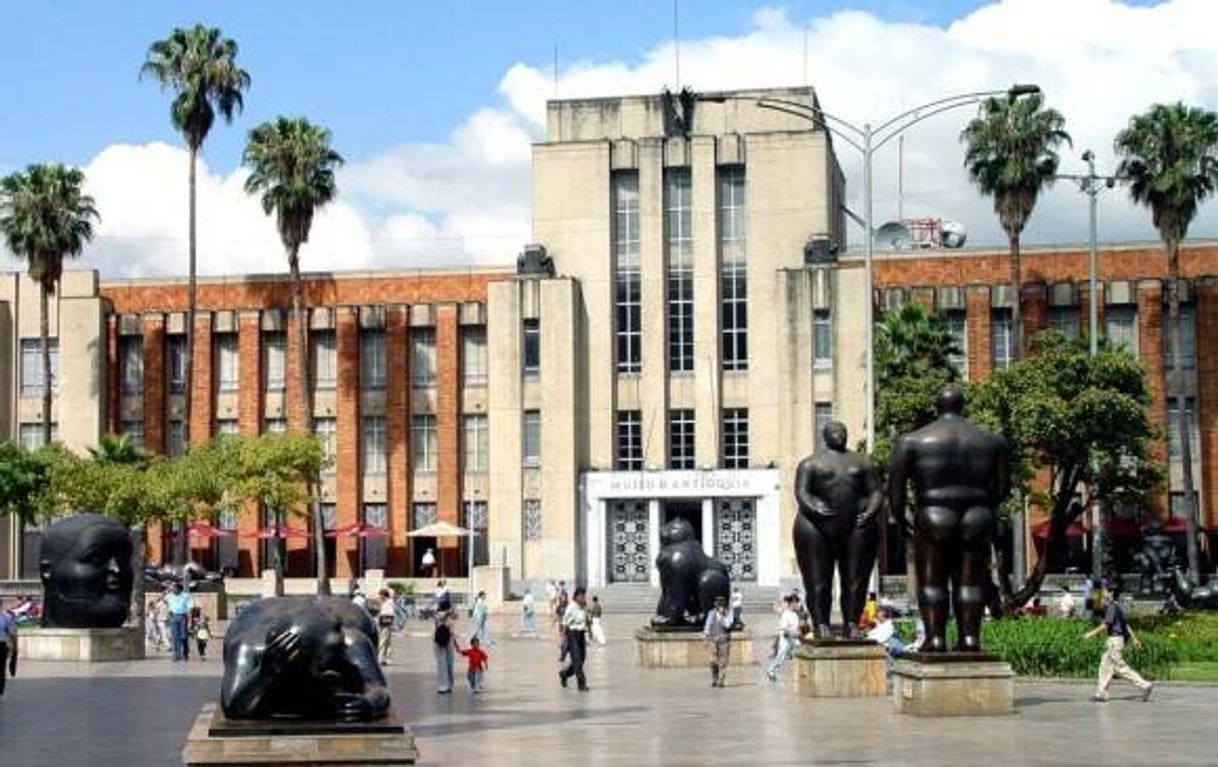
(434, 106)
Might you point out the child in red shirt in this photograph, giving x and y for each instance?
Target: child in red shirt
(477, 664)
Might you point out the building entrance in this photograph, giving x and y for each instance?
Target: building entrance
(629, 542)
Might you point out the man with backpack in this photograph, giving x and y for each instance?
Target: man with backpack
(444, 646)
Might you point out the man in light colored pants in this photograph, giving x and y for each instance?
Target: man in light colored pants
(1113, 661)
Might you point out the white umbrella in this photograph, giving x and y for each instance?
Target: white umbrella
(444, 529)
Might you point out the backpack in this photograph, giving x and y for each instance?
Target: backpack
(443, 635)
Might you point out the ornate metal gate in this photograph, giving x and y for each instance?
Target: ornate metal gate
(736, 537)
(629, 542)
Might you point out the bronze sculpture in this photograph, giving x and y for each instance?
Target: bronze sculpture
(303, 657)
(839, 499)
(85, 568)
(1156, 560)
(689, 579)
(960, 474)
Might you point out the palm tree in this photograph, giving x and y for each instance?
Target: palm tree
(116, 449)
(292, 166)
(1171, 158)
(46, 217)
(1011, 155)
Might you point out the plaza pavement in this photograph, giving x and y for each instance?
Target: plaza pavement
(138, 713)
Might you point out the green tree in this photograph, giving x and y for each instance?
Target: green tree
(46, 217)
(1171, 157)
(115, 450)
(292, 167)
(1082, 419)
(199, 65)
(23, 479)
(1011, 155)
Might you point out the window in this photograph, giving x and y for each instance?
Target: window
(736, 438)
(1121, 326)
(476, 445)
(373, 439)
(679, 250)
(1064, 319)
(629, 440)
(31, 366)
(531, 429)
(733, 279)
(227, 361)
(627, 280)
(532, 347)
(822, 339)
(274, 360)
(372, 548)
(422, 515)
(474, 517)
(30, 435)
(329, 516)
(175, 362)
(227, 427)
(372, 359)
(326, 430)
(275, 426)
(134, 432)
(1177, 504)
(175, 442)
(1188, 338)
(423, 358)
(822, 414)
(131, 362)
(954, 319)
(681, 439)
(423, 442)
(531, 519)
(1000, 338)
(323, 354)
(1173, 426)
(473, 356)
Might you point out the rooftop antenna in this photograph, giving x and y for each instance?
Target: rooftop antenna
(676, 36)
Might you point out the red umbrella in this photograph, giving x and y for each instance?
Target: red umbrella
(205, 530)
(281, 531)
(1073, 530)
(369, 531)
(343, 531)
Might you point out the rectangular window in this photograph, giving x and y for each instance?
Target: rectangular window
(326, 430)
(131, 361)
(734, 290)
(681, 439)
(175, 440)
(423, 443)
(372, 359)
(1188, 338)
(627, 279)
(373, 439)
(227, 427)
(822, 414)
(679, 250)
(30, 435)
(1173, 426)
(134, 432)
(31, 366)
(822, 339)
(1064, 319)
(629, 440)
(1177, 504)
(323, 353)
(1121, 326)
(423, 358)
(422, 515)
(532, 347)
(275, 426)
(1000, 338)
(475, 518)
(531, 432)
(372, 548)
(476, 444)
(733, 276)
(955, 320)
(531, 519)
(175, 362)
(227, 361)
(736, 438)
(473, 356)
(274, 361)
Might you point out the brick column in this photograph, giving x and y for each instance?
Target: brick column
(1207, 393)
(348, 469)
(292, 382)
(977, 326)
(1035, 305)
(397, 433)
(113, 393)
(448, 403)
(155, 411)
(1150, 349)
(249, 422)
(202, 400)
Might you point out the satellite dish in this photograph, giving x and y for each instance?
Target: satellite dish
(952, 234)
(892, 236)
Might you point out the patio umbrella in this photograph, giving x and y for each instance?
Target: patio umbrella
(281, 531)
(444, 529)
(343, 531)
(205, 530)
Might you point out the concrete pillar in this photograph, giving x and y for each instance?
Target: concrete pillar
(653, 536)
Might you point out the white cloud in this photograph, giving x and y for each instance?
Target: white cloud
(466, 200)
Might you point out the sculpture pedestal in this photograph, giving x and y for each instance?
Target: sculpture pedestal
(215, 740)
(841, 668)
(687, 649)
(953, 684)
(82, 645)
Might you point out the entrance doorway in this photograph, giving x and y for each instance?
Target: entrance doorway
(690, 511)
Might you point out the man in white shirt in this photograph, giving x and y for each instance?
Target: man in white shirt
(1065, 605)
(575, 633)
(429, 563)
(788, 637)
(386, 615)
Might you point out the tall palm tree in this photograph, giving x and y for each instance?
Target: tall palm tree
(46, 217)
(1171, 158)
(1011, 155)
(292, 166)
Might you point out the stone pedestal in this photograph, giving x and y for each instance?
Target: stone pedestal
(840, 669)
(953, 684)
(687, 649)
(494, 581)
(216, 741)
(81, 645)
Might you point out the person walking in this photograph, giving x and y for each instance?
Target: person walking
(737, 605)
(480, 615)
(1113, 661)
(575, 636)
(429, 564)
(787, 639)
(444, 645)
(8, 647)
(718, 634)
(528, 614)
(595, 614)
(179, 603)
(202, 636)
(386, 614)
(478, 663)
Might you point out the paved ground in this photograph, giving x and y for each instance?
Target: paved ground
(138, 714)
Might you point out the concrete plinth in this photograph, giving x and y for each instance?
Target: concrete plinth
(953, 685)
(840, 669)
(81, 645)
(218, 742)
(687, 649)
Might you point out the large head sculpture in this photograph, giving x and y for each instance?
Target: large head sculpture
(85, 568)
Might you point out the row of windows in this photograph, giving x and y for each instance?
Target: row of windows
(681, 439)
